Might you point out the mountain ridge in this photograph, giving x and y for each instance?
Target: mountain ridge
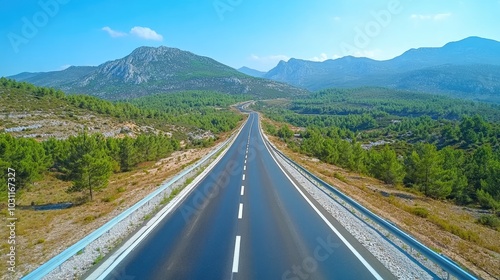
(447, 61)
(150, 70)
(251, 72)
(51, 78)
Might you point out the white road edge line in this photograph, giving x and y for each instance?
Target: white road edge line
(107, 266)
(236, 257)
(348, 245)
(243, 177)
(240, 212)
(242, 190)
(244, 167)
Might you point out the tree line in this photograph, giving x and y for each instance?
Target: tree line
(427, 148)
(376, 101)
(88, 160)
(205, 110)
(465, 177)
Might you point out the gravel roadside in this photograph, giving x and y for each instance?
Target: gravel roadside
(390, 251)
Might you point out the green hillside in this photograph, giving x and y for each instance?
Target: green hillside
(445, 148)
(46, 130)
(149, 70)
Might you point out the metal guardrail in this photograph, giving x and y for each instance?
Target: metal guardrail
(444, 262)
(59, 259)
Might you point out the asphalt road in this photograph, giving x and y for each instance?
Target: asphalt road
(247, 220)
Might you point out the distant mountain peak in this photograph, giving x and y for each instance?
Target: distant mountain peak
(147, 54)
(475, 39)
(471, 50)
(434, 69)
(157, 50)
(151, 70)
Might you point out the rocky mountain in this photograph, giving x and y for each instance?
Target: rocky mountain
(468, 68)
(149, 70)
(319, 75)
(251, 72)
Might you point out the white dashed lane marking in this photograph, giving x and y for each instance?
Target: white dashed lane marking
(236, 257)
(240, 212)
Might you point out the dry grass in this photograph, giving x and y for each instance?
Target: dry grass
(42, 118)
(40, 235)
(440, 225)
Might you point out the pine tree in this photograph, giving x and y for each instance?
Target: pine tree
(453, 164)
(93, 172)
(128, 154)
(386, 166)
(491, 184)
(88, 166)
(285, 132)
(28, 158)
(359, 158)
(57, 150)
(425, 171)
(477, 167)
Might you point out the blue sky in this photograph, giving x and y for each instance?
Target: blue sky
(48, 35)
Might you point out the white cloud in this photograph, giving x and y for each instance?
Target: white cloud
(322, 57)
(435, 17)
(113, 33)
(146, 33)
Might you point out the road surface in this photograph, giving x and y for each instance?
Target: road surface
(247, 220)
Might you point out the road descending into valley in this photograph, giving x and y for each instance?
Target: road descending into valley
(247, 219)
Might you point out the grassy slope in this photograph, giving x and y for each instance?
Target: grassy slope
(51, 116)
(43, 234)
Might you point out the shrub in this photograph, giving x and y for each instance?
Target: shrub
(340, 177)
(487, 201)
(420, 211)
(109, 198)
(489, 221)
(89, 219)
(40, 241)
(98, 259)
